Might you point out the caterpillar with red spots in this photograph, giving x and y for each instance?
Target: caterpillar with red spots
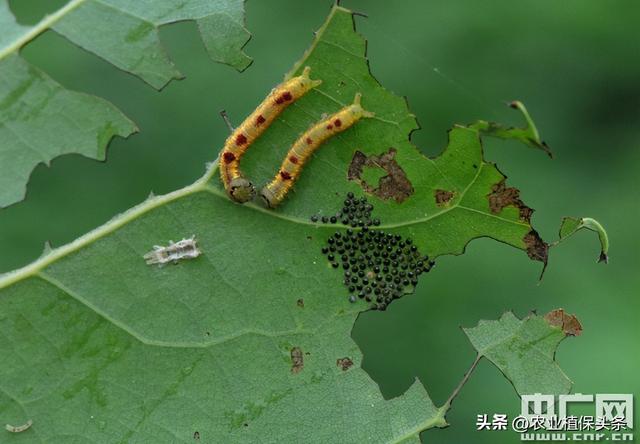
(237, 186)
(276, 191)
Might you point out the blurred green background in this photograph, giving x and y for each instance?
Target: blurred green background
(574, 63)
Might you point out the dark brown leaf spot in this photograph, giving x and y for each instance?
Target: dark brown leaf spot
(502, 196)
(297, 360)
(569, 324)
(293, 159)
(337, 123)
(344, 363)
(285, 175)
(394, 185)
(260, 120)
(443, 196)
(537, 249)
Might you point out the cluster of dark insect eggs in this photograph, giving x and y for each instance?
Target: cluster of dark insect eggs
(355, 212)
(378, 267)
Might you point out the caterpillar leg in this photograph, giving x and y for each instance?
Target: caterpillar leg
(275, 192)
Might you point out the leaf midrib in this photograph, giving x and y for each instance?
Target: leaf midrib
(46, 23)
(201, 185)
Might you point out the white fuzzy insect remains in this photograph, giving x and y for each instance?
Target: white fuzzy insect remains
(174, 252)
(19, 429)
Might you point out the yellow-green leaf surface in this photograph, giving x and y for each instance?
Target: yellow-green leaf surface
(248, 342)
(40, 120)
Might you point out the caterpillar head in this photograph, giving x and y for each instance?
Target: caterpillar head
(241, 190)
(269, 198)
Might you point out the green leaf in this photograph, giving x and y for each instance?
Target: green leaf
(524, 349)
(528, 135)
(571, 225)
(126, 33)
(480, 204)
(202, 346)
(40, 120)
(251, 339)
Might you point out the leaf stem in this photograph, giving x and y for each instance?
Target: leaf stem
(439, 420)
(44, 24)
(151, 203)
(447, 405)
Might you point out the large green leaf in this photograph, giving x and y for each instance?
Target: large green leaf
(40, 120)
(251, 341)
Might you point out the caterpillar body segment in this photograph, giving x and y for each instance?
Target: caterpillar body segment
(239, 188)
(275, 192)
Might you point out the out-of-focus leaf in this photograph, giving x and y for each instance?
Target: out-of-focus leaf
(126, 33)
(40, 120)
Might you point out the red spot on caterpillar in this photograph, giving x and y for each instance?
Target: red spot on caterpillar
(293, 159)
(241, 139)
(309, 141)
(337, 123)
(260, 120)
(285, 175)
(329, 127)
(228, 157)
(284, 97)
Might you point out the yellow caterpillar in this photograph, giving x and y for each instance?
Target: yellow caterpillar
(237, 186)
(275, 192)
